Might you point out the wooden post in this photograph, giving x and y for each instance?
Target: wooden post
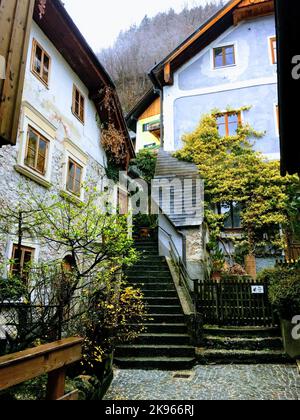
(250, 263)
(56, 384)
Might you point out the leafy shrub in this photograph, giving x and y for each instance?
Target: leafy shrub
(284, 290)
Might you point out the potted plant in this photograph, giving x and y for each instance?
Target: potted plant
(217, 261)
(284, 294)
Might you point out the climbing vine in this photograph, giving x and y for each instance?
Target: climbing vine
(235, 173)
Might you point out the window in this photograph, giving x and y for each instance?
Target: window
(232, 214)
(228, 123)
(36, 151)
(74, 177)
(78, 104)
(224, 56)
(151, 126)
(273, 45)
(21, 261)
(40, 64)
(277, 117)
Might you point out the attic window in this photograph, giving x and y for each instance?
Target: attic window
(40, 63)
(224, 56)
(78, 104)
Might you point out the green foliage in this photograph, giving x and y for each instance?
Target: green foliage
(89, 297)
(144, 164)
(284, 289)
(12, 289)
(115, 318)
(234, 172)
(145, 220)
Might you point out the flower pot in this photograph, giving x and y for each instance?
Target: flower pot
(216, 276)
(291, 344)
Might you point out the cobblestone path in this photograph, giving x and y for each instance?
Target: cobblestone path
(233, 382)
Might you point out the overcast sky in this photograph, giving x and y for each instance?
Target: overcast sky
(100, 21)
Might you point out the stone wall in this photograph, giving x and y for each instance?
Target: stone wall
(12, 184)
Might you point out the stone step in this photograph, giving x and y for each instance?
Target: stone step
(149, 275)
(243, 343)
(155, 350)
(155, 363)
(242, 331)
(179, 328)
(163, 309)
(151, 259)
(149, 270)
(164, 319)
(210, 356)
(164, 339)
(161, 301)
(160, 293)
(154, 286)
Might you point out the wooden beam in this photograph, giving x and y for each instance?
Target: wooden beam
(15, 27)
(29, 364)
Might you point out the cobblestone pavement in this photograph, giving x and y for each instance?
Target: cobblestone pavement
(233, 382)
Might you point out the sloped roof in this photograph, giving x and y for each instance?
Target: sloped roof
(162, 73)
(140, 108)
(187, 198)
(58, 26)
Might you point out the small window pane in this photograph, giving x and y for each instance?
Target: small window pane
(78, 174)
(31, 149)
(38, 59)
(229, 56)
(236, 215)
(233, 124)
(46, 68)
(218, 57)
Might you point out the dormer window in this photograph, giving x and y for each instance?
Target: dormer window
(224, 56)
(40, 65)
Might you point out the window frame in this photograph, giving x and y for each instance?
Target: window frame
(232, 228)
(38, 75)
(81, 99)
(226, 115)
(223, 47)
(40, 136)
(24, 249)
(77, 165)
(271, 46)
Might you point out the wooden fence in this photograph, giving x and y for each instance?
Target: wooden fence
(51, 359)
(234, 303)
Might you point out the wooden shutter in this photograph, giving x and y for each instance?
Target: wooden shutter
(15, 25)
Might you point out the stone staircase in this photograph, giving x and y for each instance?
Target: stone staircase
(241, 345)
(165, 343)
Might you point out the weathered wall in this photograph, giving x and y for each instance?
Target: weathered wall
(198, 87)
(49, 111)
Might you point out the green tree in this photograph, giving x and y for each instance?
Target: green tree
(61, 295)
(235, 173)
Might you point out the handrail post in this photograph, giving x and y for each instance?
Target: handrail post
(56, 384)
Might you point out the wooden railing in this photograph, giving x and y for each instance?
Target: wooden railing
(51, 359)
